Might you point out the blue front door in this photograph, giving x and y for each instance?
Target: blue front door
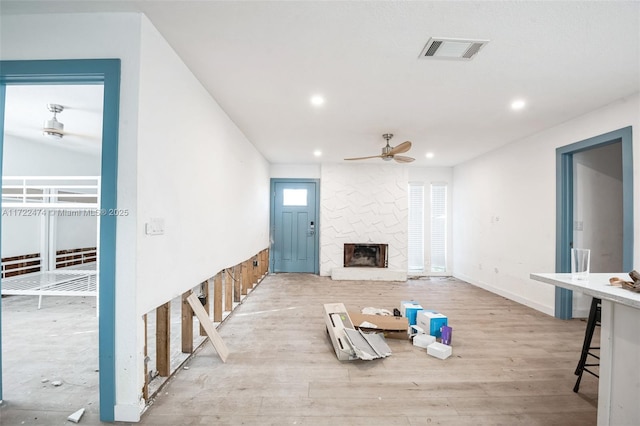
(294, 227)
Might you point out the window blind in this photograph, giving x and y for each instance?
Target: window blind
(438, 227)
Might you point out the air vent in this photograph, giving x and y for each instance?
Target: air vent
(452, 48)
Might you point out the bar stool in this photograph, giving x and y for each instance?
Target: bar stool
(592, 322)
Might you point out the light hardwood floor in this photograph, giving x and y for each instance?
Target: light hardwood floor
(511, 365)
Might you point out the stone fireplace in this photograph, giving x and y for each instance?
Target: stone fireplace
(365, 255)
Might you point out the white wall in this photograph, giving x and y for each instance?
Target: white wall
(504, 207)
(22, 157)
(180, 158)
(427, 176)
(363, 204)
(299, 171)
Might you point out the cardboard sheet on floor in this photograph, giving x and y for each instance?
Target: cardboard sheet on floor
(205, 321)
(390, 326)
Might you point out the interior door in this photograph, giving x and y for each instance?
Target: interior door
(294, 227)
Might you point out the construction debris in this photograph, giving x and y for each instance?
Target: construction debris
(75, 417)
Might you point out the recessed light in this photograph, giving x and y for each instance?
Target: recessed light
(317, 100)
(429, 155)
(518, 104)
(317, 153)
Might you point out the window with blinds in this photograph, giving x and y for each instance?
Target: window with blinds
(438, 227)
(416, 227)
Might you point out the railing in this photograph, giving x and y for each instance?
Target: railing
(51, 192)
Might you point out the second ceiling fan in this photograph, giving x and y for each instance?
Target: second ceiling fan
(391, 152)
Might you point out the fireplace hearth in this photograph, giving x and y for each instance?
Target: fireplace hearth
(365, 255)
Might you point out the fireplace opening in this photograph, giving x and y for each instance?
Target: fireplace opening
(365, 255)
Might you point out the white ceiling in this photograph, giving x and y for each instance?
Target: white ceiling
(26, 111)
(263, 60)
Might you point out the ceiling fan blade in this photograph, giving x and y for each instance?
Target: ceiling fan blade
(403, 159)
(364, 158)
(403, 147)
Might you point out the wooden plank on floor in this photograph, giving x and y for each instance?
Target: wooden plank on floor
(217, 298)
(214, 337)
(187, 324)
(163, 339)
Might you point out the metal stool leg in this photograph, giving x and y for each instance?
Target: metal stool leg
(592, 322)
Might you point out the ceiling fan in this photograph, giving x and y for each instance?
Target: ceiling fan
(390, 152)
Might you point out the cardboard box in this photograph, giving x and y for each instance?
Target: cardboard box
(431, 321)
(439, 350)
(390, 326)
(410, 309)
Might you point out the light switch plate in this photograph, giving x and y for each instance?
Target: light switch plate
(155, 226)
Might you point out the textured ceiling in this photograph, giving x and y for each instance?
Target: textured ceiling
(262, 61)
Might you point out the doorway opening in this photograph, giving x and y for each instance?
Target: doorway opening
(104, 73)
(594, 209)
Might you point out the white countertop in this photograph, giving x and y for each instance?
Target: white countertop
(597, 286)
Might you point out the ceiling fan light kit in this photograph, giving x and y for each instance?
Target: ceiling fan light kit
(53, 127)
(391, 153)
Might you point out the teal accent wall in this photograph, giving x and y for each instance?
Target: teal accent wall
(107, 73)
(564, 206)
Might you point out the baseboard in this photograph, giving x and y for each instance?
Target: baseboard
(549, 310)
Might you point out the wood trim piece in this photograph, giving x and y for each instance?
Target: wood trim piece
(214, 337)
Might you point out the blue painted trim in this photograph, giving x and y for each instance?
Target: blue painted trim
(564, 235)
(87, 71)
(2, 102)
(272, 218)
(564, 206)
(627, 198)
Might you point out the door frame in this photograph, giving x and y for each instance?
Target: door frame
(272, 219)
(107, 73)
(564, 207)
